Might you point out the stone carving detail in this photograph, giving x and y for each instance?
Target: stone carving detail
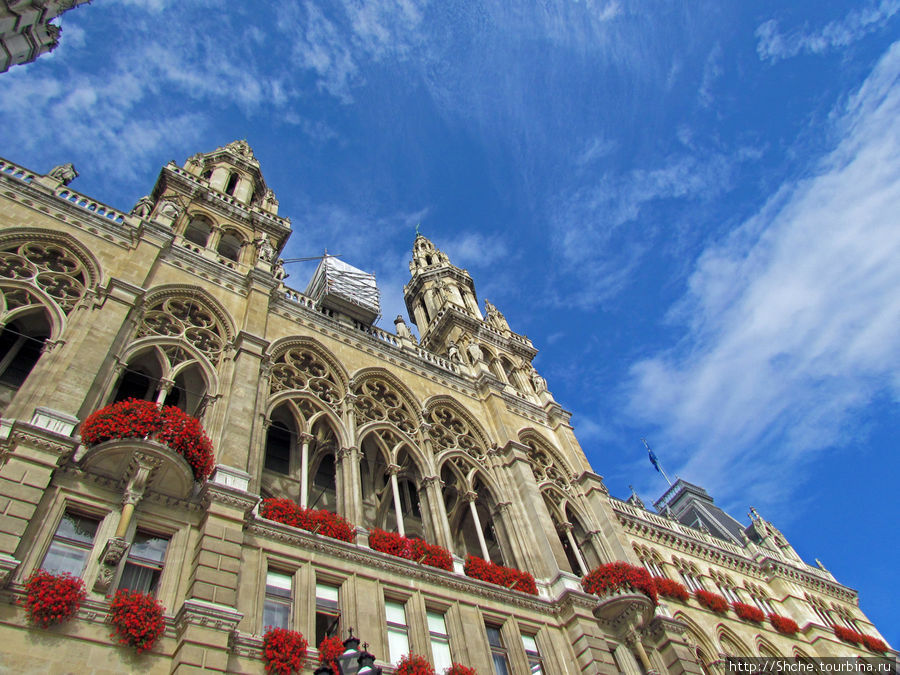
(65, 173)
(241, 148)
(449, 431)
(376, 401)
(143, 207)
(544, 466)
(188, 319)
(112, 553)
(48, 266)
(300, 369)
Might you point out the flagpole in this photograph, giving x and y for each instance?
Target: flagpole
(655, 462)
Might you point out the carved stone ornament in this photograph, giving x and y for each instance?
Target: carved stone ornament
(50, 267)
(301, 369)
(188, 318)
(265, 252)
(241, 148)
(143, 207)
(449, 431)
(65, 173)
(376, 401)
(8, 566)
(169, 209)
(113, 552)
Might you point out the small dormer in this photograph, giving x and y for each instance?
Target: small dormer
(234, 172)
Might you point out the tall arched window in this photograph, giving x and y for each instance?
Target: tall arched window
(280, 439)
(232, 183)
(198, 230)
(230, 246)
(21, 343)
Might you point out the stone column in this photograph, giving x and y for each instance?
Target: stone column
(440, 523)
(471, 497)
(305, 439)
(165, 388)
(352, 489)
(567, 527)
(393, 470)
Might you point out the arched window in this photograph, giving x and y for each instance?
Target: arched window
(230, 246)
(21, 344)
(189, 390)
(232, 183)
(280, 438)
(206, 175)
(198, 230)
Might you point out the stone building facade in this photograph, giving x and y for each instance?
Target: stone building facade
(453, 437)
(25, 29)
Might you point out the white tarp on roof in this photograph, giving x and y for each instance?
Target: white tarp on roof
(344, 288)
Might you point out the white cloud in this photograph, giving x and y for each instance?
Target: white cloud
(774, 45)
(793, 321)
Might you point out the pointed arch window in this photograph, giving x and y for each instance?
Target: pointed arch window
(21, 344)
(229, 246)
(232, 183)
(197, 230)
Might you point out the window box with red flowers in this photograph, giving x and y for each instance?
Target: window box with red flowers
(459, 669)
(748, 612)
(616, 576)
(330, 650)
(413, 664)
(284, 651)
(873, 643)
(137, 620)
(317, 521)
(712, 601)
(410, 548)
(511, 578)
(783, 624)
(52, 598)
(847, 635)
(671, 589)
(171, 426)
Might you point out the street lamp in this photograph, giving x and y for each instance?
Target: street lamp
(352, 661)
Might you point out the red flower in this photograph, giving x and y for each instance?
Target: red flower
(619, 575)
(748, 612)
(874, 643)
(413, 664)
(712, 601)
(169, 425)
(847, 635)
(137, 619)
(52, 598)
(410, 548)
(330, 650)
(284, 651)
(783, 624)
(317, 521)
(510, 577)
(671, 589)
(459, 669)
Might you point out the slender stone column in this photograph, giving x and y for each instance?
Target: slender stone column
(471, 497)
(393, 469)
(352, 505)
(440, 523)
(305, 440)
(567, 528)
(165, 388)
(633, 639)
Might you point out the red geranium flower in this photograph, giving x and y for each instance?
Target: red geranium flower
(52, 598)
(748, 612)
(514, 579)
(671, 589)
(619, 575)
(284, 651)
(330, 650)
(712, 601)
(783, 624)
(413, 664)
(459, 669)
(318, 521)
(410, 548)
(137, 619)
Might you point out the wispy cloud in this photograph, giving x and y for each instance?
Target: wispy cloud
(774, 45)
(793, 321)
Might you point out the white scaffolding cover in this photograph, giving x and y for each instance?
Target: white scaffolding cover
(343, 288)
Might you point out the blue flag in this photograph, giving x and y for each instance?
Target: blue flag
(653, 460)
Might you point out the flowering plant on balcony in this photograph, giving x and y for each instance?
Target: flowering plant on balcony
(847, 635)
(619, 575)
(171, 426)
(712, 601)
(748, 612)
(459, 669)
(284, 651)
(671, 589)
(52, 598)
(318, 521)
(410, 548)
(137, 619)
(783, 624)
(413, 664)
(330, 650)
(874, 643)
(509, 577)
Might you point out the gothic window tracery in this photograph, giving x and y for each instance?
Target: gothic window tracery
(168, 374)
(471, 507)
(545, 465)
(376, 400)
(449, 430)
(301, 369)
(189, 319)
(48, 266)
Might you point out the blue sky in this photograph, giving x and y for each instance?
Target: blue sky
(690, 207)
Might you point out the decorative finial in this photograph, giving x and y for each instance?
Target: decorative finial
(418, 225)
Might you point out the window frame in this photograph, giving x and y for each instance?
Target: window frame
(321, 608)
(158, 566)
(275, 598)
(499, 650)
(441, 638)
(533, 658)
(73, 510)
(396, 627)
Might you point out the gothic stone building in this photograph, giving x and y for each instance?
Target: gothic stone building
(452, 437)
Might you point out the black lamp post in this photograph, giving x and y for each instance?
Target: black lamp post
(352, 661)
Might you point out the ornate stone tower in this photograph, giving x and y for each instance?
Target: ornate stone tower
(25, 29)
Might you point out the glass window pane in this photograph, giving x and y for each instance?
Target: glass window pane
(77, 528)
(278, 583)
(440, 649)
(530, 644)
(65, 558)
(148, 546)
(493, 635)
(395, 612)
(436, 623)
(140, 578)
(398, 644)
(535, 666)
(500, 666)
(276, 614)
(327, 594)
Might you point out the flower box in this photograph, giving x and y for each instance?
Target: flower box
(171, 426)
(748, 612)
(284, 651)
(874, 643)
(409, 548)
(619, 575)
(493, 573)
(52, 598)
(413, 664)
(783, 624)
(330, 650)
(847, 635)
(671, 589)
(318, 521)
(137, 619)
(712, 601)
